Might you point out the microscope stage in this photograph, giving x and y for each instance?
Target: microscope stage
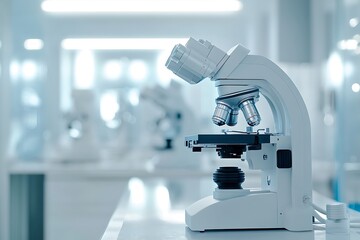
(214, 140)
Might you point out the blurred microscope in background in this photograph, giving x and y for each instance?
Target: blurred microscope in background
(78, 141)
(119, 123)
(168, 125)
(168, 128)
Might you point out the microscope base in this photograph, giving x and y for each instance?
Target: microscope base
(253, 211)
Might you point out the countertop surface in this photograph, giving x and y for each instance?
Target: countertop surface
(159, 229)
(167, 223)
(124, 168)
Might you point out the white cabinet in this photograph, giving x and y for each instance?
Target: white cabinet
(80, 206)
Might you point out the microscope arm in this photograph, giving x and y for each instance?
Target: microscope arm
(290, 114)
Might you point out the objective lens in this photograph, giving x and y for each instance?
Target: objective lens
(232, 120)
(250, 112)
(221, 114)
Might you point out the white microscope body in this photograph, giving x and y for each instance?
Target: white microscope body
(176, 121)
(284, 157)
(78, 142)
(171, 103)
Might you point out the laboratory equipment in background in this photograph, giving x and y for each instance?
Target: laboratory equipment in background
(78, 141)
(342, 114)
(170, 124)
(284, 156)
(118, 116)
(27, 109)
(168, 121)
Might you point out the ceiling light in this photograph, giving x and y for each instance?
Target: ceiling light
(84, 72)
(335, 70)
(140, 6)
(15, 70)
(355, 87)
(113, 70)
(29, 70)
(120, 43)
(138, 70)
(348, 44)
(33, 44)
(353, 22)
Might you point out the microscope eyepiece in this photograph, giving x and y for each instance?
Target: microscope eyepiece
(250, 112)
(196, 60)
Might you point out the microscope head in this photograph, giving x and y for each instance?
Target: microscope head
(198, 60)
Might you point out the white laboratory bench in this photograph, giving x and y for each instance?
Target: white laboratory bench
(74, 200)
(101, 168)
(129, 223)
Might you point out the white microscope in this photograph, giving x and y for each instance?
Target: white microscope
(170, 101)
(284, 157)
(78, 143)
(175, 122)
